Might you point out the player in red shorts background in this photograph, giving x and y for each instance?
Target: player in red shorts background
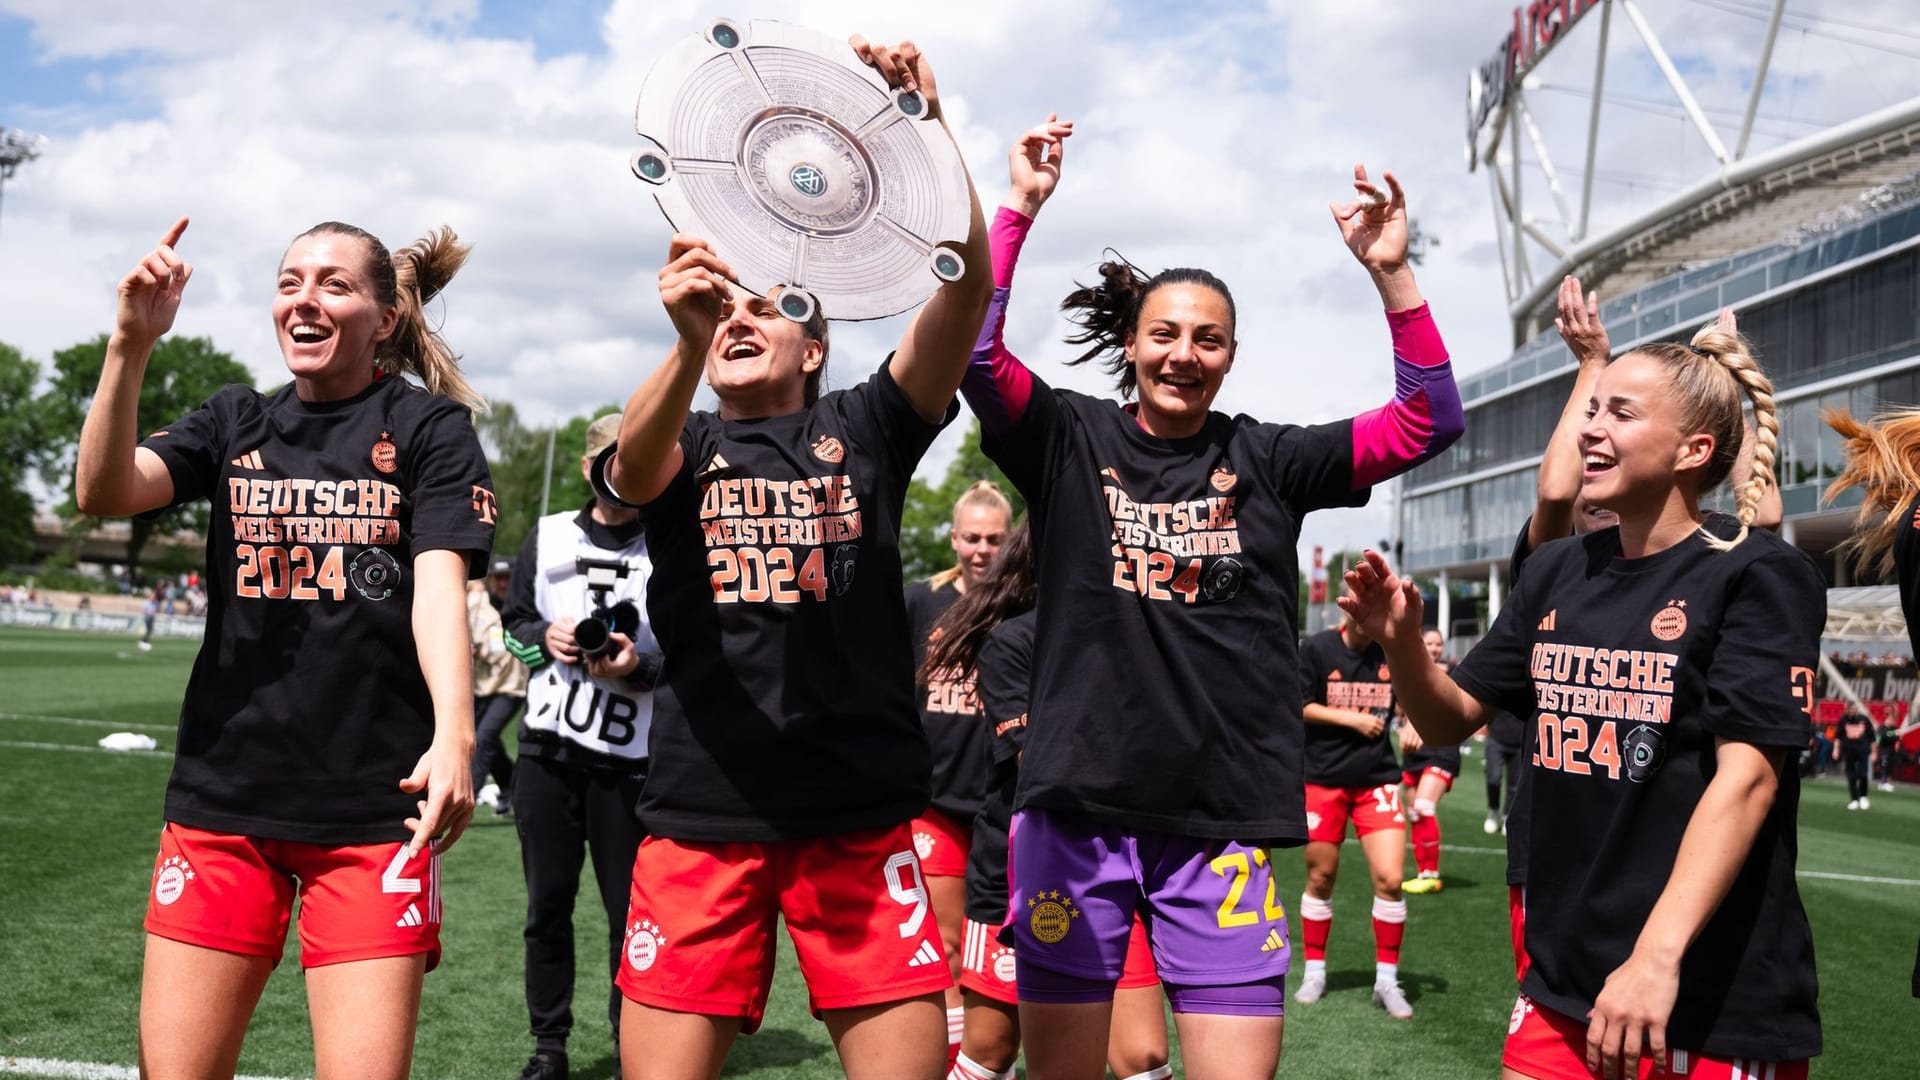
(1428, 776)
(1351, 772)
(328, 723)
(787, 759)
(950, 713)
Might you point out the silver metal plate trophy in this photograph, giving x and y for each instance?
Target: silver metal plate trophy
(803, 169)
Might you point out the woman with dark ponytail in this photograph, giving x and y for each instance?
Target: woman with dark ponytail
(328, 722)
(1164, 759)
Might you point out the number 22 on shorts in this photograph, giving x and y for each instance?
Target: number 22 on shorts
(1237, 863)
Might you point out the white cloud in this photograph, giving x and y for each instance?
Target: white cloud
(1209, 135)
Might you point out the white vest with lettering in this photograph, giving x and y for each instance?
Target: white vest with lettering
(606, 716)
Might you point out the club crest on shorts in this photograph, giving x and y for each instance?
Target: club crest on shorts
(1050, 915)
(1521, 1007)
(386, 456)
(923, 843)
(170, 881)
(1313, 819)
(1223, 479)
(644, 942)
(1003, 964)
(1671, 621)
(829, 449)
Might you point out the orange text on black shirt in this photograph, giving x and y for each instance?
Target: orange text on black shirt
(279, 524)
(1585, 695)
(1159, 548)
(766, 539)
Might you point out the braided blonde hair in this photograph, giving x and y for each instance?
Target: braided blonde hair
(1881, 461)
(1709, 375)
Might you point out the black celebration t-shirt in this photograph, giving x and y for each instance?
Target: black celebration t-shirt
(1520, 731)
(306, 706)
(1630, 669)
(949, 711)
(1339, 677)
(1005, 665)
(1166, 686)
(1906, 567)
(784, 708)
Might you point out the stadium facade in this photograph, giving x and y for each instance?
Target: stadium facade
(1814, 243)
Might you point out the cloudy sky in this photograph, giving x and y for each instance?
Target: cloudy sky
(1209, 134)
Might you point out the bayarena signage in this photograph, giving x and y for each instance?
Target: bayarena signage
(1536, 27)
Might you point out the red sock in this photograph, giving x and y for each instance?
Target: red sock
(1316, 922)
(1389, 927)
(1426, 843)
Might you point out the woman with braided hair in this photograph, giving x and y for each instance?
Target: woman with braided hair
(1883, 461)
(328, 724)
(1665, 665)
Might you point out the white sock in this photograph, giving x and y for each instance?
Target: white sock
(1312, 907)
(1424, 808)
(1316, 967)
(1164, 1072)
(1390, 911)
(956, 1023)
(1385, 974)
(965, 1068)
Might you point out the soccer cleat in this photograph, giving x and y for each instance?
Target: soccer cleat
(1313, 986)
(1390, 997)
(1854, 805)
(1491, 825)
(545, 1065)
(1422, 885)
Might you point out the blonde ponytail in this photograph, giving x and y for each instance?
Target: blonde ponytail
(1881, 456)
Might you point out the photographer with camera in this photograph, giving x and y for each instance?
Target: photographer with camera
(575, 614)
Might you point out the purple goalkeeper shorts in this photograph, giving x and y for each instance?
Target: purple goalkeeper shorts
(1209, 905)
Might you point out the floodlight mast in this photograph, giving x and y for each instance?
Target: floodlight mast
(16, 149)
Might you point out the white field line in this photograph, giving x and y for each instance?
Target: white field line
(114, 725)
(1821, 875)
(80, 1070)
(17, 744)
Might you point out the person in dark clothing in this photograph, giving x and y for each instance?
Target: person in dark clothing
(1854, 747)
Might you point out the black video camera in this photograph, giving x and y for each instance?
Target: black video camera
(594, 634)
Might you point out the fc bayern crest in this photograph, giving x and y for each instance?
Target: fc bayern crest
(806, 172)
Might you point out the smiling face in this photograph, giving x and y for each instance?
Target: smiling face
(328, 314)
(1181, 349)
(759, 360)
(1633, 451)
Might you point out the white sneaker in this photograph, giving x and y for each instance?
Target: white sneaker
(489, 797)
(1313, 986)
(1491, 825)
(1390, 997)
(1854, 805)
(1887, 786)
(146, 646)
(1866, 803)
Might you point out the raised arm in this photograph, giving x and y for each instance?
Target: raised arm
(1389, 609)
(1559, 480)
(113, 476)
(997, 385)
(1425, 415)
(932, 356)
(693, 286)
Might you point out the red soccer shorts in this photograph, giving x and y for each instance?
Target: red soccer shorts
(986, 966)
(1548, 1045)
(700, 923)
(236, 893)
(1517, 926)
(1412, 780)
(1372, 809)
(942, 844)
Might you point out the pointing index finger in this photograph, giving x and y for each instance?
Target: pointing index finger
(173, 235)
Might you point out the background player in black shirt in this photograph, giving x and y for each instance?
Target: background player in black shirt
(787, 759)
(950, 713)
(1855, 749)
(1351, 773)
(348, 511)
(1668, 666)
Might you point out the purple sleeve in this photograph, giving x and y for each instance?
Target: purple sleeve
(997, 385)
(1424, 417)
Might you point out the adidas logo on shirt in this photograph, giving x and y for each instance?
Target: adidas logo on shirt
(1551, 620)
(926, 954)
(411, 918)
(248, 460)
(1274, 941)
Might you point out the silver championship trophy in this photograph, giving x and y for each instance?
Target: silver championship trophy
(803, 169)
